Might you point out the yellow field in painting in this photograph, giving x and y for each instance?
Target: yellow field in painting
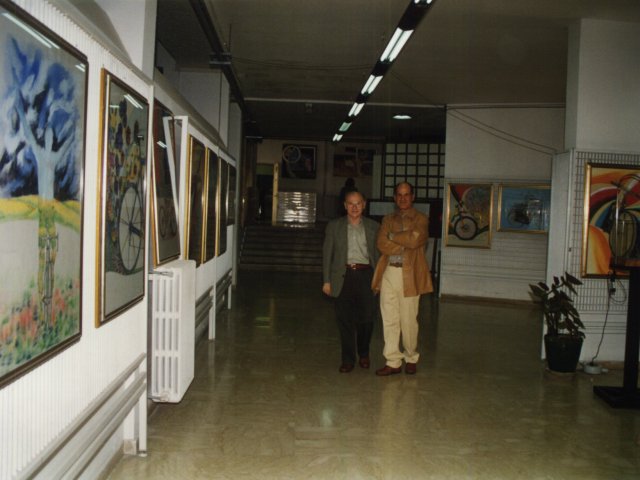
(26, 208)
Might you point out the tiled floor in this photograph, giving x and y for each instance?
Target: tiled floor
(268, 401)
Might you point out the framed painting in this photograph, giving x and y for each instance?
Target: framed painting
(524, 208)
(121, 255)
(298, 161)
(223, 202)
(166, 241)
(43, 91)
(231, 207)
(211, 195)
(469, 214)
(612, 206)
(196, 172)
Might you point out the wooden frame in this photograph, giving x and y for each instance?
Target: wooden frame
(601, 191)
(212, 207)
(165, 232)
(121, 252)
(524, 208)
(469, 215)
(41, 192)
(196, 201)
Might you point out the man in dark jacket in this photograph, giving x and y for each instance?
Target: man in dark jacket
(349, 256)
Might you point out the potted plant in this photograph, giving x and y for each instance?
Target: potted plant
(563, 340)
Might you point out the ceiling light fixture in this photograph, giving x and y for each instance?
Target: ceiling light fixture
(400, 37)
(413, 14)
(402, 116)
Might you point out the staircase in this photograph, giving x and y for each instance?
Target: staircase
(282, 248)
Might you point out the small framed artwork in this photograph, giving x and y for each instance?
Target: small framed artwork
(166, 240)
(231, 208)
(212, 208)
(223, 202)
(298, 161)
(121, 242)
(196, 172)
(469, 214)
(524, 208)
(611, 218)
(43, 92)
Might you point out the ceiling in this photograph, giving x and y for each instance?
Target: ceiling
(299, 65)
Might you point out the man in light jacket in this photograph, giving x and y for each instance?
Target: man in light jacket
(401, 276)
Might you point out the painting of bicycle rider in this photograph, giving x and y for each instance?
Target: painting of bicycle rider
(612, 218)
(469, 213)
(125, 127)
(42, 127)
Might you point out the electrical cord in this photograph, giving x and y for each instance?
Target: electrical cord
(611, 291)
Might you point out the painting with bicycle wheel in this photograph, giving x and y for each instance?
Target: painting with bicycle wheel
(42, 130)
(469, 213)
(524, 208)
(121, 256)
(612, 219)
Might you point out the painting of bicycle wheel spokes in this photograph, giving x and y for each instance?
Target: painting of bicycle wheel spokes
(42, 126)
(125, 126)
(469, 210)
(165, 221)
(524, 208)
(612, 219)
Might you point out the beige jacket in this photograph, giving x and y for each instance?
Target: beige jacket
(410, 235)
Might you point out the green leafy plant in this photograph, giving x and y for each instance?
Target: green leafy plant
(560, 314)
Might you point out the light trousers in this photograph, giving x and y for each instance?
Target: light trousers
(399, 319)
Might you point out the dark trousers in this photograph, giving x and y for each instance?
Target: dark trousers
(355, 312)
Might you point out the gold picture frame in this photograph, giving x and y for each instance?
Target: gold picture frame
(469, 215)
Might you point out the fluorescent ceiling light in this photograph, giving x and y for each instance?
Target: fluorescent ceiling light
(371, 84)
(38, 36)
(132, 101)
(162, 144)
(396, 43)
(423, 2)
(337, 137)
(344, 127)
(355, 110)
(81, 67)
(402, 116)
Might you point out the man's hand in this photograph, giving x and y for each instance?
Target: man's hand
(326, 288)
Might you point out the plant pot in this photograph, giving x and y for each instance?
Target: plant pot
(563, 352)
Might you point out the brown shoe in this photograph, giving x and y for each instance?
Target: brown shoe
(387, 370)
(410, 368)
(364, 362)
(345, 368)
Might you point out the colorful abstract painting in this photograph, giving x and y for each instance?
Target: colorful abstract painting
(611, 192)
(469, 210)
(42, 127)
(124, 162)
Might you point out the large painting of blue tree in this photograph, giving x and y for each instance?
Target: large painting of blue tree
(42, 88)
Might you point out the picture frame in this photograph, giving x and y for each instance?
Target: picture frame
(223, 202)
(196, 203)
(604, 184)
(121, 253)
(469, 215)
(41, 192)
(165, 231)
(298, 161)
(524, 208)
(231, 208)
(212, 207)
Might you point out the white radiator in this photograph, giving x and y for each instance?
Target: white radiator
(173, 299)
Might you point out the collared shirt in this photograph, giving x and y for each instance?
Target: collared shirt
(357, 244)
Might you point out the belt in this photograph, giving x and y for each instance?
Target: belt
(399, 265)
(358, 266)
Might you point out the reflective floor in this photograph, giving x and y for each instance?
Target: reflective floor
(268, 401)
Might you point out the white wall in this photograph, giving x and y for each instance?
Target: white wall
(603, 98)
(499, 145)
